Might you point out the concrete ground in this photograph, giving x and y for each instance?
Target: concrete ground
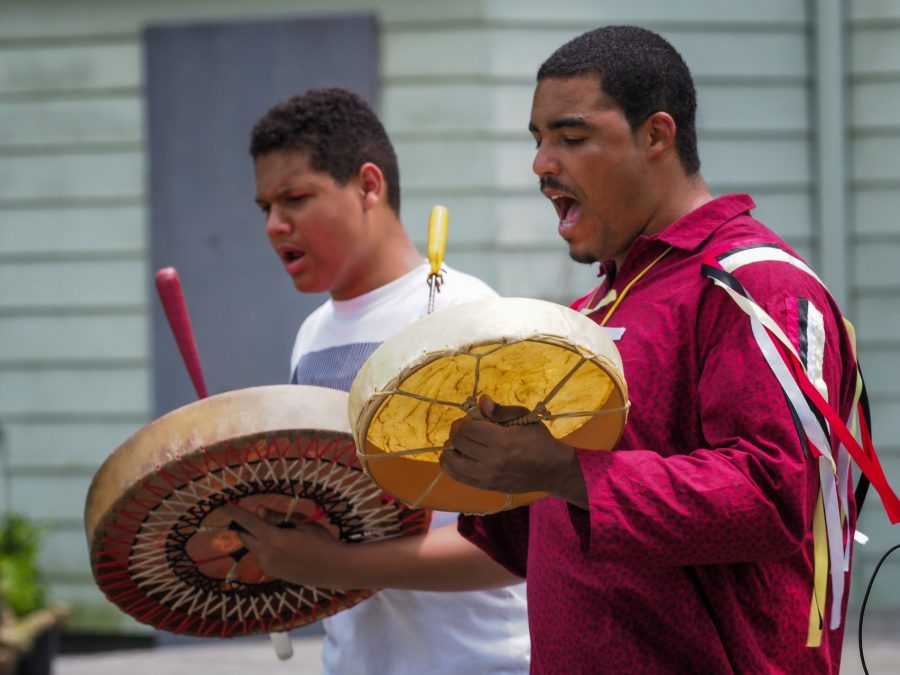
(881, 641)
(247, 656)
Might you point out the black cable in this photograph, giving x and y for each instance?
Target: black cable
(862, 609)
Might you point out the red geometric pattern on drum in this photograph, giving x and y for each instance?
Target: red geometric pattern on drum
(140, 561)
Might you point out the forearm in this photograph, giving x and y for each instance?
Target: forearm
(439, 560)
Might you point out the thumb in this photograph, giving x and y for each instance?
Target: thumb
(500, 413)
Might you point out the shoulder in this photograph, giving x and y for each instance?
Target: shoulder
(461, 287)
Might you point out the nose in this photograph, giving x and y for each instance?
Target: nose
(277, 223)
(544, 162)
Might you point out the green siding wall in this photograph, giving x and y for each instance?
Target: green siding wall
(457, 80)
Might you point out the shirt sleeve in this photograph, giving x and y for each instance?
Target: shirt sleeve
(753, 476)
(503, 536)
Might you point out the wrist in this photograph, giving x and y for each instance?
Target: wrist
(570, 485)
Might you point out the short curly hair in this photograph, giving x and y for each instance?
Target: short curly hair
(641, 72)
(338, 129)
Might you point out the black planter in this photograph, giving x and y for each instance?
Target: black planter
(39, 661)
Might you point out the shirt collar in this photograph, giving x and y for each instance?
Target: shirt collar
(690, 231)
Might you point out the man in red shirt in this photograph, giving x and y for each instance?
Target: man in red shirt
(691, 546)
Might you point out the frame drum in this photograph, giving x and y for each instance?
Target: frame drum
(548, 358)
(163, 553)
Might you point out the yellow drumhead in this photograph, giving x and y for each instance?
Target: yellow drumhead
(545, 357)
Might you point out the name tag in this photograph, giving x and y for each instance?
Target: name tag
(614, 334)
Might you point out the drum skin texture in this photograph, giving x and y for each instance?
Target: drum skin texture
(550, 359)
(164, 554)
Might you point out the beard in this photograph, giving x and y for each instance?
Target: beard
(583, 258)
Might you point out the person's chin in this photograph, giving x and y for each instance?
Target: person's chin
(583, 257)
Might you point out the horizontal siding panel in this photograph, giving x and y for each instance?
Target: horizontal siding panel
(731, 54)
(69, 445)
(787, 214)
(470, 221)
(748, 161)
(424, 108)
(50, 497)
(32, 338)
(447, 53)
(628, 11)
(512, 107)
(877, 318)
(25, 18)
(560, 279)
(752, 108)
(876, 266)
(69, 68)
(113, 174)
(881, 372)
(528, 219)
(875, 51)
(885, 422)
(85, 391)
(435, 165)
(64, 551)
(876, 158)
(874, 211)
(70, 122)
(73, 284)
(875, 104)
(512, 273)
(873, 10)
(71, 230)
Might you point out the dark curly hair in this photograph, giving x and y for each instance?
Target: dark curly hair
(641, 72)
(338, 129)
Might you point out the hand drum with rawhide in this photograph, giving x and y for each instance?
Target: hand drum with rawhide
(548, 358)
(163, 552)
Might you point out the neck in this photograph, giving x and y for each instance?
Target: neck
(677, 197)
(389, 255)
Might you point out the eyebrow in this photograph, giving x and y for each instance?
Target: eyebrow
(562, 123)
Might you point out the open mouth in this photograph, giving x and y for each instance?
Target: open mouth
(567, 209)
(290, 254)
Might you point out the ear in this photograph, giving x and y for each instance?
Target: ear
(372, 184)
(658, 131)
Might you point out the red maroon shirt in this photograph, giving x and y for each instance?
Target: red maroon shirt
(696, 553)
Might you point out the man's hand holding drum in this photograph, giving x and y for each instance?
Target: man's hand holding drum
(309, 555)
(306, 553)
(512, 459)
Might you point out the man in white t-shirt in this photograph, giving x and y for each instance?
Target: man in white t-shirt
(328, 183)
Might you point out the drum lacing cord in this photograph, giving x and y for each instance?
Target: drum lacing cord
(470, 406)
(151, 566)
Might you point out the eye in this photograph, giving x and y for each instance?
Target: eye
(265, 208)
(573, 140)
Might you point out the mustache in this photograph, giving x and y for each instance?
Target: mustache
(550, 182)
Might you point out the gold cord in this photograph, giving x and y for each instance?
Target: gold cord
(632, 283)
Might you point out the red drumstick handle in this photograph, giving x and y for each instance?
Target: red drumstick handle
(168, 286)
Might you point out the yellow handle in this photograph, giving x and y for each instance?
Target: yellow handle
(437, 237)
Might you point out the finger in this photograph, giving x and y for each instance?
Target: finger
(245, 522)
(459, 467)
(465, 431)
(500, 413)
